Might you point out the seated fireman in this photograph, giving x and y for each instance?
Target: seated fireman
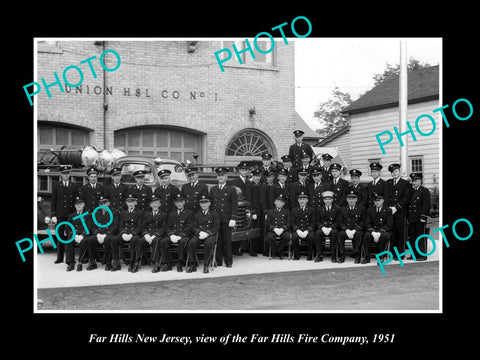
(81, 232)
(179, 230)
(352, 223)
(378, 227)
(102, 234)
(303, 225)
(327, 224)
(277, 223)
(206, 224)
(130, 221)
(154, 224)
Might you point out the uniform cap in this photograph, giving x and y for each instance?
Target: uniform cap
(286, 158)
(179, 197)
(92, 170)
(154, 198)
(352, 193)
(130, 197)
(316, 170)
(266, 156)
(79, 199)
(268, 173)
(376, 166)
(116, 170)
(298, 132)
(393, 167)
(221, 170)
(191, 170)
(327, 194)
(377, 196)
(302, 194)
(355, 172)
(256, 172)
(280, 197)
(204, 198)
(103, 199)
(283, 172)
(327, 156)
(243, 165)
(139, 173)
(335, 166)
(65, 168)
(164, 172)
(304, 155)
(414, 176)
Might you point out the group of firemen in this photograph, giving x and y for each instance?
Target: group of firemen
(299, 202)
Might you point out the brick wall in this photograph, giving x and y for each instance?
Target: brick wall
(167, 78)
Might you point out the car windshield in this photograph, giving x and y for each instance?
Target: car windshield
(178, 173)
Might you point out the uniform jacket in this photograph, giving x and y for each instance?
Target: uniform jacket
(117, 195)
(192, 194)
(254, 198)
(209, 223)
(224, 202)
(340, 192)
(78, 224)
(91, 195)
(295, 189)
(63, 198)
(362, 196)
(303, 219)
(352, 219)
(180, 224)
(328, 218)
(272, 168)
(103, 219)
(278, 219)
(399, 196)
(285, 191)
(419, 206)
(380, 187)
(143, 195)
(167, 197)
(291, 177)
(326, 175)
(382, 221)
(296, 151)
(267, 196)
(315, 193)
(244, 186)
(309, 168)
(154, 224)
(130, 223)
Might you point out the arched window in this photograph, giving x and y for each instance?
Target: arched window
(249, 143)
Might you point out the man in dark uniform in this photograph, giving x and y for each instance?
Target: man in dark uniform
(398, 202)
(225, 202)
(91, 191)
(327, 226)
(326, 171)
(129, 230)
(360, 189)
(339, 185)
(62, 205)
(206, 224)
(82, 225)
(418, 211)
(153, 230)
(193, 191)
(317, 187)
(298, 148)
(244, 184)
(101, 234)
(116, 191)
(267, 167)
(305, 167)
(351, 224)
(142, 192)
(378, 227)
(278, 224)
(282, 187)
(377, 186)
(287, 165)
(267, 191)
(179, 230)
(166, 192)
(257, 211)
(303, 226)
(297, 187)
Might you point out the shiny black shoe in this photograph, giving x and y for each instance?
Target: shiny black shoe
(130, 267)
(319, 258)
(179, 268)
(297, 258)
(58, 261)
(237, 253)
(108, 267)
(341, 260)
(205, 270)
(228, 265)
(357, 260)
(334, 259)
(70, 267)
(136, 267)
(156, 268)
(191, 268)
(309, 258)
(79, 267)
(253, 254)
(91, 266)
(116, 266)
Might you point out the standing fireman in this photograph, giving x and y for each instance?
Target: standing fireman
(63, 196)
(225, 202)
(299, 147)
(91, 191)
(142, 192)
(359, 188)
(339, 185)
(418, 211)
(116, 191)
(377, 186)
(166, 192)
(193, 191)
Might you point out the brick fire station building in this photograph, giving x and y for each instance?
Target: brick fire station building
(168, 99)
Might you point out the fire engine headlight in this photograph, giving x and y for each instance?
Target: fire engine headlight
(248, 214)
(47, 219)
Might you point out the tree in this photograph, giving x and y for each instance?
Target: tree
(413, 64)
(329, 113)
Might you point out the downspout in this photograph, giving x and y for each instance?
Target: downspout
(105, 105)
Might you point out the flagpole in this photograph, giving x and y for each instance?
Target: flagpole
(403, 106)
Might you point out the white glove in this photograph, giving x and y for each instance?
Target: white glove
(394, 209)
(232, 223)
(78, 238)
(202, 235)
(302, 234)
(326, 230)
(299, 233)
(126, 237)
(174, 238)
(376, 236)
(350, 233)
(278, 231)
(149, 238)
(254, 216)
(54, 219)
(101, 238)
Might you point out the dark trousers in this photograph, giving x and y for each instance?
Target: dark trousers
(156, 251)
(192, 246)
(296, 242)
(398, 233)
(320, 242)
(415, 230)
(70, 250)
(356, 242)
(93, 244)
(117, 242)
(270, 238)
(60, 245)
(368, 240)
(165, 245)
(142, 243)
(224, 246)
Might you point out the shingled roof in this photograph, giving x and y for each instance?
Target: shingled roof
(423, 85)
